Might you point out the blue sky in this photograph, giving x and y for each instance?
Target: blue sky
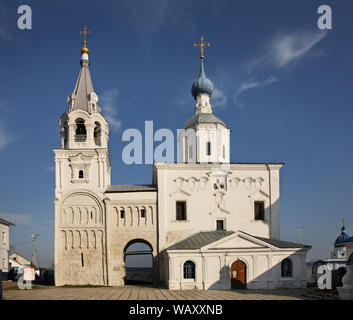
(283, 87)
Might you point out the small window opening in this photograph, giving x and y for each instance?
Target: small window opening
(259, 210)
(143, 213)
(220, 224)
(80, 174)
(180, 210)
(189, 270)
(208, 148)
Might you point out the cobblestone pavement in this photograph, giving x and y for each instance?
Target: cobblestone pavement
(148, 293)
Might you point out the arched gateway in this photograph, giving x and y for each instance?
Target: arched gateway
(138, 258)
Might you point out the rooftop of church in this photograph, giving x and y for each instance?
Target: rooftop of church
(203, 238)
(6, 223)
(131, 188)
(343, 237)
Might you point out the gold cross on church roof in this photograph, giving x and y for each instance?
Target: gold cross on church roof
(201, 45)
(85, 32)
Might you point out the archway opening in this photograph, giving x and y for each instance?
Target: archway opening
(138, 259)
(238, 275)
(97, 133)
(81, 133)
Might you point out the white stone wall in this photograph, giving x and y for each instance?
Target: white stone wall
(263, 269)
(193, 183)
(122, 232)
(79, 249)
(94, 163)
(197, 138)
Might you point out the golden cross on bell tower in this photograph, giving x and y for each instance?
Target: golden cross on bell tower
(343, 222)
(201, 45)
(85, 32)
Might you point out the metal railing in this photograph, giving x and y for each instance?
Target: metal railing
(80, 137)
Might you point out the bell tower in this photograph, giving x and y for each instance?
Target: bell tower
(83, 160)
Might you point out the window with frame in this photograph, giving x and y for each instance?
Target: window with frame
(220, 224)
(122, 214)
(180, 210)
(4, 238)
(189, 270)
(286, 268)
(208, 148)
(80, 174)
(143, 213)
(259, 208)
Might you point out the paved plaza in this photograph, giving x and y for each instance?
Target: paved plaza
(147, 293)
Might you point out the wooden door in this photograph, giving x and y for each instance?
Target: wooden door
(238, 275)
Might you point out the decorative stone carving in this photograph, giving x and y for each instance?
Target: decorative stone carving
(248, 182)
(77, 163)
(92, 102)
(234, 182)
(191, 184)
(71, 101)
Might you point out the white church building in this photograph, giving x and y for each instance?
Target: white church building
(208, 223)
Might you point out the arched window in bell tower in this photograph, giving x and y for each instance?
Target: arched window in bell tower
(81, 133)
(65, 136)
(97, 133)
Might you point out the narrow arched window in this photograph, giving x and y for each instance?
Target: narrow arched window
(97, 133)
(80, 174)
(208, 148)
(286, 268)
(224, 151)
(81, 133)
(189, 270)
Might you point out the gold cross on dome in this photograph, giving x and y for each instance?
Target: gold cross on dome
(201, 45)
(85, 32)
(342, 221)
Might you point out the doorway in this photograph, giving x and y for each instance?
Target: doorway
(138, 262)
(238, 275)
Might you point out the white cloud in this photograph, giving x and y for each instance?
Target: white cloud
(109, 108)
(5, 137)
(250, 85)
(4, 140)
(17, 218)
(219, 98)
(285, 49)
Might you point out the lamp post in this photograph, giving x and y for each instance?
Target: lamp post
(34, 257)
(300, 228)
